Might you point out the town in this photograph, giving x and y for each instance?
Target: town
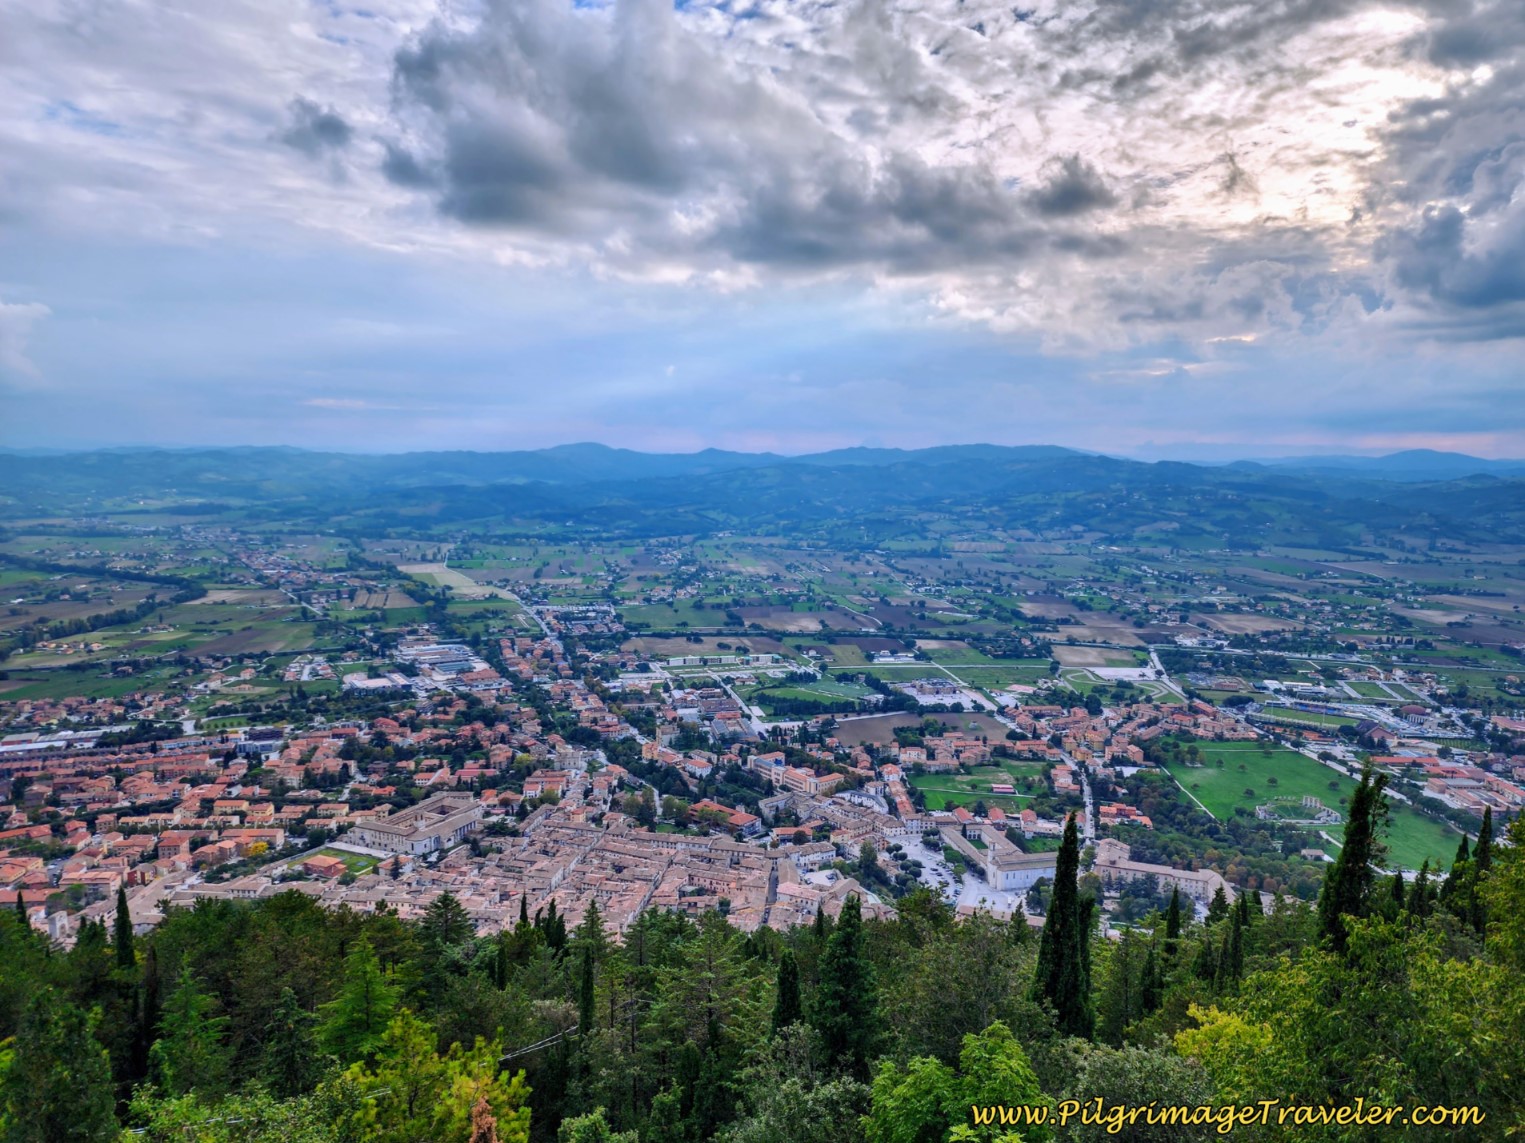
(728, 725)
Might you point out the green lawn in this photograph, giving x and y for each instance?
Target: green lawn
(1292, 717)
(356, 863)
(1412, 837)
(944, 791)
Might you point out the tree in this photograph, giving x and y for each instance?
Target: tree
(190, 1054)
(846, 1008)
(592, 1128)
(1137, 1077)
(925, 1101)
(57, 1085)
(1063, 978)
(355, 1020)
(446, 922)
(1217, 908)
(412, 1093)
(1173, 922)
(1347, 885)
(786, 1007)
(288, 1058)
(122, 934)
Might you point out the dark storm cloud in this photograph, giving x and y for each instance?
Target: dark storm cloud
(548, 120)
(1074, 187)
(1457, 164)
(314, 130)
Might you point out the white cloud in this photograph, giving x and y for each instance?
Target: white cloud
(16, 323)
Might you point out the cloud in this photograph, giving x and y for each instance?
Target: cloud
(1023, 169)
(1086, 175)
(316, 130)
(16, 322)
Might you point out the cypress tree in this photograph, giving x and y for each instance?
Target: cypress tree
(21, 909)
(524, 908)
(846, 1008)
(123, 930)
(1173, 923)
(1347, 885)
(1419, 895)
(1453, 888)
(1063, 976)
(1152, 987)
(1482, 862)
(1205, 966)
(786, 1008)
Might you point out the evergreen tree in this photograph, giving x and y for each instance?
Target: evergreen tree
(1453, 888)
(1217, 909)
(446, 922)
(1205, 965)
(190, 1054)
(125, 957)
(1173, 923)
(1482, 865)
(1063, 977)
(846, 1008)
(586, 1009)
(1420, 894)
(288, 1057)
(786, 1006)
(1152, 987)
(355, 1020)
(57, 1085)
(1347, 885)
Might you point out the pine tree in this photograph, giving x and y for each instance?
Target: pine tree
(190, 1054)
(446, 922)
(125, 957)
(1347, 885)
(846, 1008)
(355, 1020)
(786, 1006)
(1063, 975)
(1217, 909)
(288, 1057)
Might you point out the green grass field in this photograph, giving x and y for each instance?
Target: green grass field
(356, 863)
(944, 791)
(1412, 837)
(1314, 719)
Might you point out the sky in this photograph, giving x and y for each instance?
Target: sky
(1191, 228)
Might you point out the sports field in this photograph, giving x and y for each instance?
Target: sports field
(1246, 779)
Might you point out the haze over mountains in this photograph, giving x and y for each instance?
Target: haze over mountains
(868, 492)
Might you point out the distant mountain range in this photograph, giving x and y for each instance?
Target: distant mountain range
(1413, 464)
(857, 494)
